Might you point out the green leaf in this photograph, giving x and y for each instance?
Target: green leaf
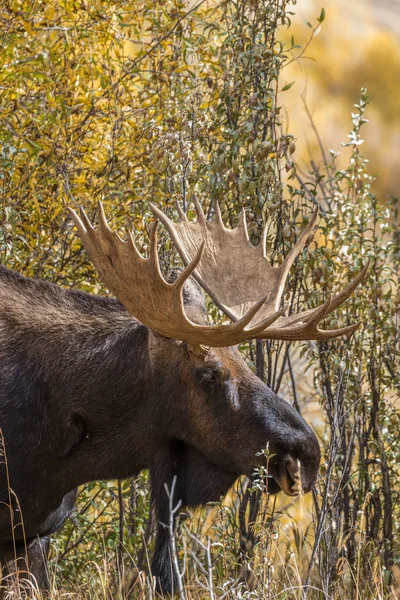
(287, 86)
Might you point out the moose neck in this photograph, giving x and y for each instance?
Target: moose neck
(83, 385)
(113, 416)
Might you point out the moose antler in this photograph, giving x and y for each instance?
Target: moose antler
(138, 284)
(218, 258)
(236, 274)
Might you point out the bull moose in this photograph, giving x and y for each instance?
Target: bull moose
(100, 388)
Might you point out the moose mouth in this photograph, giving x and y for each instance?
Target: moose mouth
(286, 477)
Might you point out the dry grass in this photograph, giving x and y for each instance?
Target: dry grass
(208, 552)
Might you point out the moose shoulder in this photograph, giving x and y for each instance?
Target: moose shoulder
(89, 392)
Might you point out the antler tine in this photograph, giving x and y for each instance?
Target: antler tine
(170, 227)
(242, 224)
(328, 334)
(311, 324)
(265, 323)
(199, 211)
(299, 245)
(302, 319)
(160, 215)
(153, 250)
(181, 213)
(263, 240)
(102, 218)
(187, 271)
(134, 250)
(153, 239)
(85, 221)
(245, 320)
(319, 313)
(303, 334)
(79, 222)
(350, 287)
(103, 223)
(218, 216)
(308, 329)
(336, 301)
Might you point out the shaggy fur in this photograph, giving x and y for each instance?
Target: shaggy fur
(87, 392)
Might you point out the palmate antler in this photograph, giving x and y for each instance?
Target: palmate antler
(138, 284)
(235, 273)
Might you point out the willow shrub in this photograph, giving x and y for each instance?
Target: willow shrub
(137, 101)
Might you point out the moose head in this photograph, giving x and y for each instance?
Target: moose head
(231, 415)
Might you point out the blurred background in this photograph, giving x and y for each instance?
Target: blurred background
(358, 45)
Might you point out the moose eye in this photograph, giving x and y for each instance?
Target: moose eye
(217, 376)
(214, 377)
(219, 386)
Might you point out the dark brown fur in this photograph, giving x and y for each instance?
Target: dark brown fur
(87, 392)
